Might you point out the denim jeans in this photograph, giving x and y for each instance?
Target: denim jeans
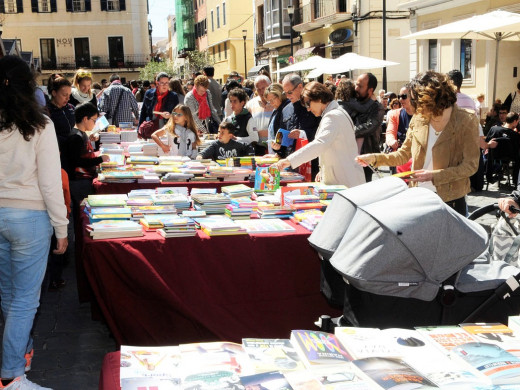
(24, 246)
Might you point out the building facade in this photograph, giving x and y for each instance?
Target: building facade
(475, 58)
(106, 36)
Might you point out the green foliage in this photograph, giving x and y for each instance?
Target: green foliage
(152, 68)
(198, 60)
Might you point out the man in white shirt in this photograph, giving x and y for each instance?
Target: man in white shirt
(261, 113)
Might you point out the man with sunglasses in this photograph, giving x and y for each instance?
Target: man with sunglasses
(158, 103)
(295, 116)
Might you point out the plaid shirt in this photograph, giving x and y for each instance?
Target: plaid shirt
(127, 104)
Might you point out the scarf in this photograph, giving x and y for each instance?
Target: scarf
(159, 101)
(80, 96)
(204, 111)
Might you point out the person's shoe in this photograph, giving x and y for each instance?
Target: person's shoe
(22, 383)
(57, 285)
(28, 360)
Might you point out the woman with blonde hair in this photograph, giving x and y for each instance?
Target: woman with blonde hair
(442, 139)
(81, 88)
(276, 98)
(183, 137)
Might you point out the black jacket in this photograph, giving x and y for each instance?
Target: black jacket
(367, 121)
(150, 100)
(296, 116)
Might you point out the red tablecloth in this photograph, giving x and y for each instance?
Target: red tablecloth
(109, 375)
(125, 188)
(156, 291)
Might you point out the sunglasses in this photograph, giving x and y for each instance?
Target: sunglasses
(289, 93)
(177, 114)
(404, 96)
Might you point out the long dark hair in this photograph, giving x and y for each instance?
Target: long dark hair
(18, 105)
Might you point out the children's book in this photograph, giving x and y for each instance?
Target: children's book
(273, 225)
(300, 190)
(446, 337)
(319, 348)
(272, 354)
(267, 179)
(150, 362)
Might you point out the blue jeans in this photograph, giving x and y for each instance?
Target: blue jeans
(24, 246)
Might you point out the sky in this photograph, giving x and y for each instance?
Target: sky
(159, 11)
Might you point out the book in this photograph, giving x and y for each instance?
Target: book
(258, 226)
(300, 190)
(365, 342)
(273, 380)
(494, 333)
(392, 373)
(319, 348)
(339, 377)
(267, 179)
(150, 362)
(272, 354)
(107, 200)
(491, 360)
(446, 337)
(282, 138)
(148, 384)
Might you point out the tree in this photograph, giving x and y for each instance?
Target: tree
(153, 67)
(198, 60)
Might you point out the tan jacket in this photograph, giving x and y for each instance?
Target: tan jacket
(455, 154)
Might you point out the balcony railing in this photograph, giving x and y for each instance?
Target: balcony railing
(96, 62)
(317, 9)
(260, 38)
(303, 14)
(324, 8)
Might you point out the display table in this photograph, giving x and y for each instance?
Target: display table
(125, 188)
(156, 291)
(109, 375)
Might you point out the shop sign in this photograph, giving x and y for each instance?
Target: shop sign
(340, 35)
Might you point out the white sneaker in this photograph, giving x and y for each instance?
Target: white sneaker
(22, 383)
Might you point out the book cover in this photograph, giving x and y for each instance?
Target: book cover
(272, 354)
(365, 342)
(148, 384)
(273, 380)
(267, 179)
(391, 373)
(491, 360)
(274, 225)
(150, 362)
(300, 190)
(282, 138)
(319, 348)
(494, 333)
(446, 337)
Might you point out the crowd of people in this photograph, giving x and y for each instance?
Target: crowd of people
(430, 128)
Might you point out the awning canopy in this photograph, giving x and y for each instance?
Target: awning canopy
(255, 69)
(306, 51)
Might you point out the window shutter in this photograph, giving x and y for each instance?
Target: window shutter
(2, 7)
(19, 6)
(122, 5)
(54, 7)
(69, 6)
(34, 5)
(88, 7)
(104, 5)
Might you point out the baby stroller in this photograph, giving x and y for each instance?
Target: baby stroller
(399, 257)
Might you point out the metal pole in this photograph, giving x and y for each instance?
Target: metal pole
(245, 59)
(292, 50)
(384, 43)
(498, 37)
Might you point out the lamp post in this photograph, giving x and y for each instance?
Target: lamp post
(244, 35)
(290, 11)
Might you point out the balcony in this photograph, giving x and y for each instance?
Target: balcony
(319, 13)
(96, 62)
(260, 38)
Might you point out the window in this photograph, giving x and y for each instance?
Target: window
(78, 5)
(218, 16)
(82, 52)
(466, 58)
(219, 53)
(432, 54)
(213, 49)
(212, 23)
(113, 5)
(48, 53)
(10, 7)
(223, 14)
(205, 26)
(225, 50)
(44, 6)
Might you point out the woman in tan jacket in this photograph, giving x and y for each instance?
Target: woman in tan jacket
(442, 140)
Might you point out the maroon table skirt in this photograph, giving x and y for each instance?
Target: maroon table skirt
(109, 375)
(156, 291)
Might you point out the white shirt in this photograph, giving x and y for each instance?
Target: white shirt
(428, 160)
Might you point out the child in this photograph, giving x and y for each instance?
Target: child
(226, 146)
(183, 138)
(241, 117)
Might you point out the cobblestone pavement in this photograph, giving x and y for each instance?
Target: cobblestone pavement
(69, 345)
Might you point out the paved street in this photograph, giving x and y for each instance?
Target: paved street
(69, 346)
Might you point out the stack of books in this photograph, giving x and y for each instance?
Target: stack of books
(143, 160)
(120, 175)
(237, 212)
(272, 211)
(326, 192)
(210, 203)
(220, 226)
(173, 177)
(106, 137)
(237, 190)
(116, 160)
(128, 135)
(149, 178)
(309, 219)
(114, 229)
(303, 202)
(140, 197)
(178, 227)
(139, 212)
(274, 225)
(150, 149)
(115, 200)
(96, 214)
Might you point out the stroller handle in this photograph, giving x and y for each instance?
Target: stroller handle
(483, 210)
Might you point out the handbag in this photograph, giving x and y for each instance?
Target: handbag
(212, 125)
(147, 128)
